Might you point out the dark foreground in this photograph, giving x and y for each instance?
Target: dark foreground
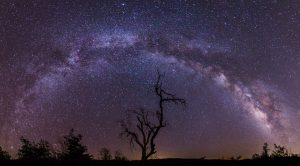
(161, 162)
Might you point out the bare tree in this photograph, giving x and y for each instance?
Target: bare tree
(147, 126)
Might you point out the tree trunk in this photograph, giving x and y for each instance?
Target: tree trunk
(144, 155)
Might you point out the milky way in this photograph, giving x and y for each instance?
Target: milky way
(81, 65)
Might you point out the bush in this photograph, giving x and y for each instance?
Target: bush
(31, 150)
(105, 154)
(4, 155)
(119, 156)
(279, 152)
(73, 149)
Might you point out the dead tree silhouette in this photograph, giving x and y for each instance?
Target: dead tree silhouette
(148, 127)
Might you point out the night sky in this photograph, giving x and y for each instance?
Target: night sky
(81, 64)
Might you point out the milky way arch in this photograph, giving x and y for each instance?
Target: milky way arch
(138, 55)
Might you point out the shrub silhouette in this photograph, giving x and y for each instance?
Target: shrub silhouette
(235, 158)
(255, 156)
(119, 156)
(105, 154)
(4, 155)
(265, 151)
(31, 150)
(73, 149)
(279, 152)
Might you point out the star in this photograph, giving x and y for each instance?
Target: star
(82, 65)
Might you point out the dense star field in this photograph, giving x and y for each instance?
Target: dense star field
(81, 64)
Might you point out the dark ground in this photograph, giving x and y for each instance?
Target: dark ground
(161, 162)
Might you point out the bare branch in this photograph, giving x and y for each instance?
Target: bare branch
(146, 130)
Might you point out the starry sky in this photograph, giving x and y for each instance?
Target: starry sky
(81, 64)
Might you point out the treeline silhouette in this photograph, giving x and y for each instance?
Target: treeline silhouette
(278, 152)
(71, 149)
